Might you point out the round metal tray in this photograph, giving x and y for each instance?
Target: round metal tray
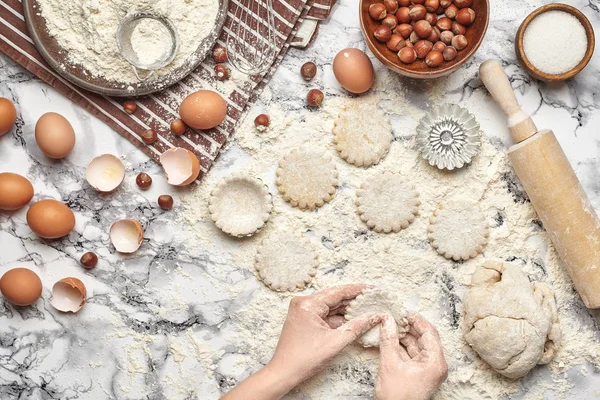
(53, 54)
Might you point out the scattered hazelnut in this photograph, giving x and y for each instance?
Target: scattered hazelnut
(404, 30)
(377, 11)
(434, 59)
(220, 54)
(435, 35)
(395, 43)
(431, 5)
(308, 70)
(383, 33)
(439, 11)
(444, 24)
(446, 37)
(143, 180)
(417, 1)
(439, 46)
(315, 97)
(449, 53)
(417, 12)
(445, 3)
(178, 127)
(149, 136)
(451, 11)
(403, 3)
(89, 260)
(423, 29)
(463, 3)
(408, 43)
(407, 55)
(390, 21)
(391, 6)
(431, 18)
(262, 122)
(413, 38)
(422, 47)
(402, 15)
(165, 202)
(458, 29)
(129, 107)
(459, 42)
(465, 16)
(222, 72)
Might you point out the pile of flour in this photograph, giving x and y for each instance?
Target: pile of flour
(401, 262)
(86, 31)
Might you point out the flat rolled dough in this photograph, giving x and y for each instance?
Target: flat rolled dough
(377, 301)
(511, 323)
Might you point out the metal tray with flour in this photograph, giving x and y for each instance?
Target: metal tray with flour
(76, 74)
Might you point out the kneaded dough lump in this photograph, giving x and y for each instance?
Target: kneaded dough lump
(510, 322)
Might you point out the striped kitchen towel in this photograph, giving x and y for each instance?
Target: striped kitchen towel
(156, 111)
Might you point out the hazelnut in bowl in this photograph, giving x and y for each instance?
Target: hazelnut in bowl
(424, 39)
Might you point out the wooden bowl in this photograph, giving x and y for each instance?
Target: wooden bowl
(418, 69)
(536, 73)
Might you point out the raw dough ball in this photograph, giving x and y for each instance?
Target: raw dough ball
(511, 323)
(378, 301)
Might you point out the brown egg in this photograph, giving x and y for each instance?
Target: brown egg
(353, 70)
(50, 219)
(15, 191)
(21, 286)
(54, 135)
(8, 115)
(203, 109)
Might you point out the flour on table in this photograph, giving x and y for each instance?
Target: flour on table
(387, 202)
(286, 262)
(86, 31)
(377, 301)
(458, 230)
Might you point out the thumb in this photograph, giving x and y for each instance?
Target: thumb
(389, 343)
(356, 327)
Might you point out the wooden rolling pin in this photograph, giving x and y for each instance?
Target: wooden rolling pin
(553, 188)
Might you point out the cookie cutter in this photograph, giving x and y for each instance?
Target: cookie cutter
(448, 137)
(124, 32)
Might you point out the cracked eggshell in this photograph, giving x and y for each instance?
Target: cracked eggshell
(105, 173)
(68, 295)
(126, 235)
(181, 166)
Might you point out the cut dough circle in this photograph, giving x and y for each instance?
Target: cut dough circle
(286, 261)
(387, 202)
(510, 322)
(375, 300)
(458, 230)
(362, 134)
(307, 178)
(240, 205)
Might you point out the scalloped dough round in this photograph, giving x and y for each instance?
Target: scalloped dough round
(240, 205)
(362, 134)
(387, 202)
(458, 230)
(307, 178)
(378, 301)
(286, 261)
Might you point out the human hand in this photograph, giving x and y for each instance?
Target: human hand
(315, 331)
(414, 370)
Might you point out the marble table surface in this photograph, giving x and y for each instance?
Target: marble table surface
(104, 352)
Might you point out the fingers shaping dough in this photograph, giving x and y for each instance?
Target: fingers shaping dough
(380, 302)
(286, 262)
(363, 134)
(240, 205)
(307, 178)
(510, 322)
(458, 230)
(387, 202)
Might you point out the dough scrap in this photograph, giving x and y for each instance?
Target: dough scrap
(387, 202)
(458, 230)
(307, 178)
(362, 134)
(511, 323)
(286, 262)
(240, 205)
(378, 301)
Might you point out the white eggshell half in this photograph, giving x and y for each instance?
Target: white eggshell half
(105, 173)
(126, 235)
(68, 295)
(181, 166)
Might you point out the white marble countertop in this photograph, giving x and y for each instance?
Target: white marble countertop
(128, 342)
